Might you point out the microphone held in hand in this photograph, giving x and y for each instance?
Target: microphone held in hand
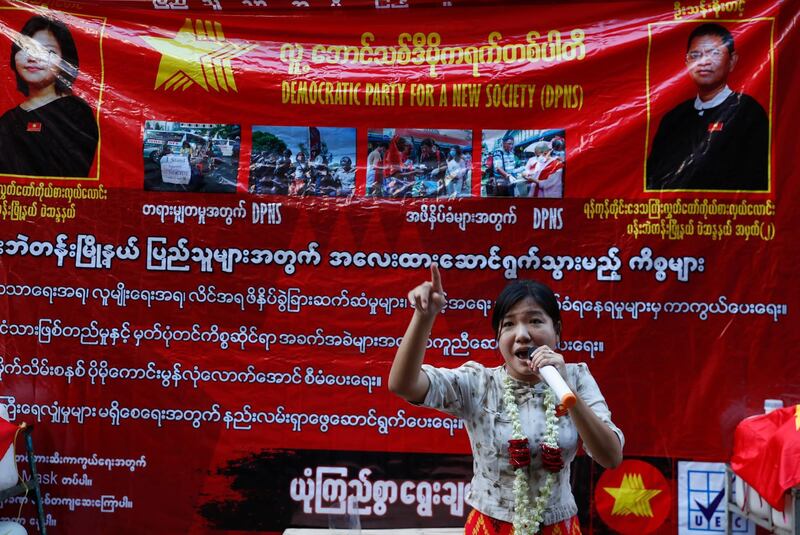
(554, 380)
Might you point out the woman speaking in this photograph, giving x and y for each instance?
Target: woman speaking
(521, 447)
(52, 132)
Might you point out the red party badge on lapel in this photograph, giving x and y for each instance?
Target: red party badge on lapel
(34, 126)
(715, 127)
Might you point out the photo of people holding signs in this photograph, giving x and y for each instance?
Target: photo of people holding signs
(196, 157)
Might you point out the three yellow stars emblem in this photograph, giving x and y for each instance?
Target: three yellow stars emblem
(631, 498)
(198, 54)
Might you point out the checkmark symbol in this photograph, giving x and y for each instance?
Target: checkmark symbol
(709, 510)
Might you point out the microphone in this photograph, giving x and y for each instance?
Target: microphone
(557, 384)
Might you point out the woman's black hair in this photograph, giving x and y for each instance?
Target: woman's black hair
(68, 66)
(518, 290)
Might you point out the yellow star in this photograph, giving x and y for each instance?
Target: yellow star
(631, 498)
(797, 417)
(199, 53)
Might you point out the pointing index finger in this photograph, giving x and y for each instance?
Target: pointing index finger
(436, 279)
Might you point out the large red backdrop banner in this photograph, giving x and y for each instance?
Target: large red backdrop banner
(200, 321)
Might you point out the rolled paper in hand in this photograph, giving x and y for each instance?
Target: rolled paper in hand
(566, 399)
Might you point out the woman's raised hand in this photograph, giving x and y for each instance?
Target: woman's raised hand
(429, 298)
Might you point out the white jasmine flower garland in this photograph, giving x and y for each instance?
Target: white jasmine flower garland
(527, 519)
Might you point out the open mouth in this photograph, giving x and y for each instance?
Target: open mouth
(524, 353)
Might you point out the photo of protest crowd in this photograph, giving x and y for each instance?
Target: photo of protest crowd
(301, 160)
(419, 163)
(523, 163)
(195, 157)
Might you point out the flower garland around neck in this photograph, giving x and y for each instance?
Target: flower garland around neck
(528, 519)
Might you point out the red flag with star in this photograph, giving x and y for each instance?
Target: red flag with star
(766, 453)
(633, 498)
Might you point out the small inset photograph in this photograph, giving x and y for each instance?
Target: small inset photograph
(197, 157)
(303, 160)
(418, 162)
(523, 163)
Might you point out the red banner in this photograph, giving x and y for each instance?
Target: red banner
(213, 210)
